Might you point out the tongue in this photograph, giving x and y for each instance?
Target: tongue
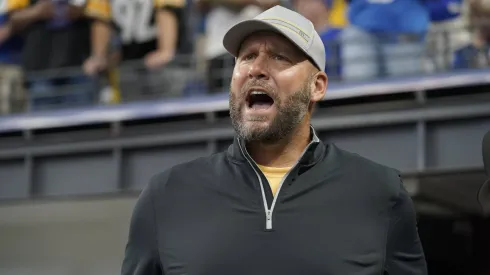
(261, 105)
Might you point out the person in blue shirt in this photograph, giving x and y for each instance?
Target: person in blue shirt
(318, 11)
(10, 45)
(448, 32)
(384, 38)
(476, 54)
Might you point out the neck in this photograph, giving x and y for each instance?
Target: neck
(284, 153)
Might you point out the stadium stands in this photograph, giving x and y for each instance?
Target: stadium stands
(455, 41)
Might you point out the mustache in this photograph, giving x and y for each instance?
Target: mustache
(258, 83)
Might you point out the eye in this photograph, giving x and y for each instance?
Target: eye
(279, 57)
(249, 56)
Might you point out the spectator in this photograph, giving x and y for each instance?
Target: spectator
(11, 91)
(56, 36)
(318, 12)
(109, 81)
(10, 45)
(337, 16)
(448, 32)
(477, 53)
(385, 37)
(219, 16)
(155, 31)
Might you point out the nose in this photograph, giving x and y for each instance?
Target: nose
(259, 69)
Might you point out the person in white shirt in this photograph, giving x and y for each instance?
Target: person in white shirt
(219, 16)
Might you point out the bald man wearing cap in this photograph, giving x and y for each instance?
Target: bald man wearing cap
(279, 200)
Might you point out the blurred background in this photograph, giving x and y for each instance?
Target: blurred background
(96, 96)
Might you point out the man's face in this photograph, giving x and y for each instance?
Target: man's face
(270, 91)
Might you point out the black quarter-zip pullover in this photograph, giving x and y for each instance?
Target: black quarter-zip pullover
(335, 213)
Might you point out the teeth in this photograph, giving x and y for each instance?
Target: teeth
(257, 93)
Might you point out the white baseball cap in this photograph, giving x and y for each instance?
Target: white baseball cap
(296, 28)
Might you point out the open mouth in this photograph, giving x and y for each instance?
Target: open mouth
(258, 100)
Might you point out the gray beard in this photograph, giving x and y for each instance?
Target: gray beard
(289, 116)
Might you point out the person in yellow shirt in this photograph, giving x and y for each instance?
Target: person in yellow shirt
(154, 31)
(337, 16)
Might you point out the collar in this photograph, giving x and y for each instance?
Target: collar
(314, 152)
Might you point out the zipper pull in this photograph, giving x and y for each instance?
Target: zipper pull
(268, 222)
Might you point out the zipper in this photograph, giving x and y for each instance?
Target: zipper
(269, 212)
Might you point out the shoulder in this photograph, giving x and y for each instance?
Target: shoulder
(370, 175)
(187, 172)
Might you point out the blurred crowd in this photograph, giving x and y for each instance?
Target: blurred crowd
(82, 52)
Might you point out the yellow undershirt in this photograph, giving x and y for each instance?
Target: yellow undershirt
(274, 176)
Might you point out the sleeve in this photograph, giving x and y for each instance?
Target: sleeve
(484, 197)
(99, 9)
(171, 4)
(404, 252)
(141, 255)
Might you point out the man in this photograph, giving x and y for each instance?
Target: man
(279, 200)
(385, 38)
(56, 36)
(219, 15)
(155, 31)
(10, 44)
(476, 54)
(448, 32)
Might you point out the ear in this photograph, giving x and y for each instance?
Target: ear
(319, 86)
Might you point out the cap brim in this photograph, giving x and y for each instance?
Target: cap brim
(235, 35)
